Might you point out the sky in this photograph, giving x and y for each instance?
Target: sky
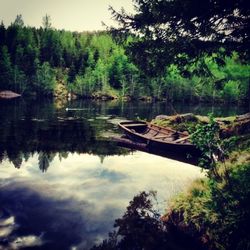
(73, 15)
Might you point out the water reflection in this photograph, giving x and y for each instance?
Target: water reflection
(47, 109)
(68, 183)
(21, 139)
(148, 110)
(77, 200)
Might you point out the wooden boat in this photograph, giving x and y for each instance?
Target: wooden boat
(157, 137)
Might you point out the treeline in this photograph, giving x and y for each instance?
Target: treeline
(34, 61)
(45, 62)
(219, 76)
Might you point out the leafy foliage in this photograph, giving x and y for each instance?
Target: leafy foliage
(5, 68)
(206, 138)
(172, 27)
(217, 207)
(45, 79)
(94, 64)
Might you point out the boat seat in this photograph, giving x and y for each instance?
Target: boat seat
(181, 139)
(135, 125)
(162, 136)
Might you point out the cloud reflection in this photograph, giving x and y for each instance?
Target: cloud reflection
(77, 200)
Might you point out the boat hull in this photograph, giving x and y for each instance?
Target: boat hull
(141, 132)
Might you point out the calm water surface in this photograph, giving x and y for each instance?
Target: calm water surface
(62, 183)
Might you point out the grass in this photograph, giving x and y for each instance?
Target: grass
(217, 211)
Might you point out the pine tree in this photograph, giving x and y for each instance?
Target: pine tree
(6, 70)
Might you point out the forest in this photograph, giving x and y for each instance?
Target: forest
(204, 41)
(189, 51)
(48, 62)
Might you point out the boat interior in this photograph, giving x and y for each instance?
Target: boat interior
(151, 131)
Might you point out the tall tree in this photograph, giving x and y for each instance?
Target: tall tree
(46, 22)
(19, 21)
(2, 34)
(166, 28)
(6, 70)
(45, 80)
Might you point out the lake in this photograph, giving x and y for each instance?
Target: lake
(63, 183)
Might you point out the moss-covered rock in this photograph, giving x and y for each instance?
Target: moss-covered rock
(180, 122)
(229, 126)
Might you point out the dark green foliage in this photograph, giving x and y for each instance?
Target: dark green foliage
(94, 65)
(206, 138)
(6, 70)
(218, 207)
(91, 62)
(188, 35)
(167, 28)
(218, 210)
(2, 34)
(140, 226)
(19, 21)
(45, 79)
(47, 22)
(232, 203)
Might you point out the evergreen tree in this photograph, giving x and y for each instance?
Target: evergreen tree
(2, 34)
(163, 29)
(93, 62)
(47, 22)
(45, 80)
(6, 70)
(19, 21)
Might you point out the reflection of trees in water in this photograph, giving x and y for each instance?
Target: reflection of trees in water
(44, 159)
(23, 138)
(2, 156)
(141, 227)
(15, 157)
(17, 161)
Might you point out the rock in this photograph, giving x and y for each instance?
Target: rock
(162, 117)
(7, 94)
(188, 117)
